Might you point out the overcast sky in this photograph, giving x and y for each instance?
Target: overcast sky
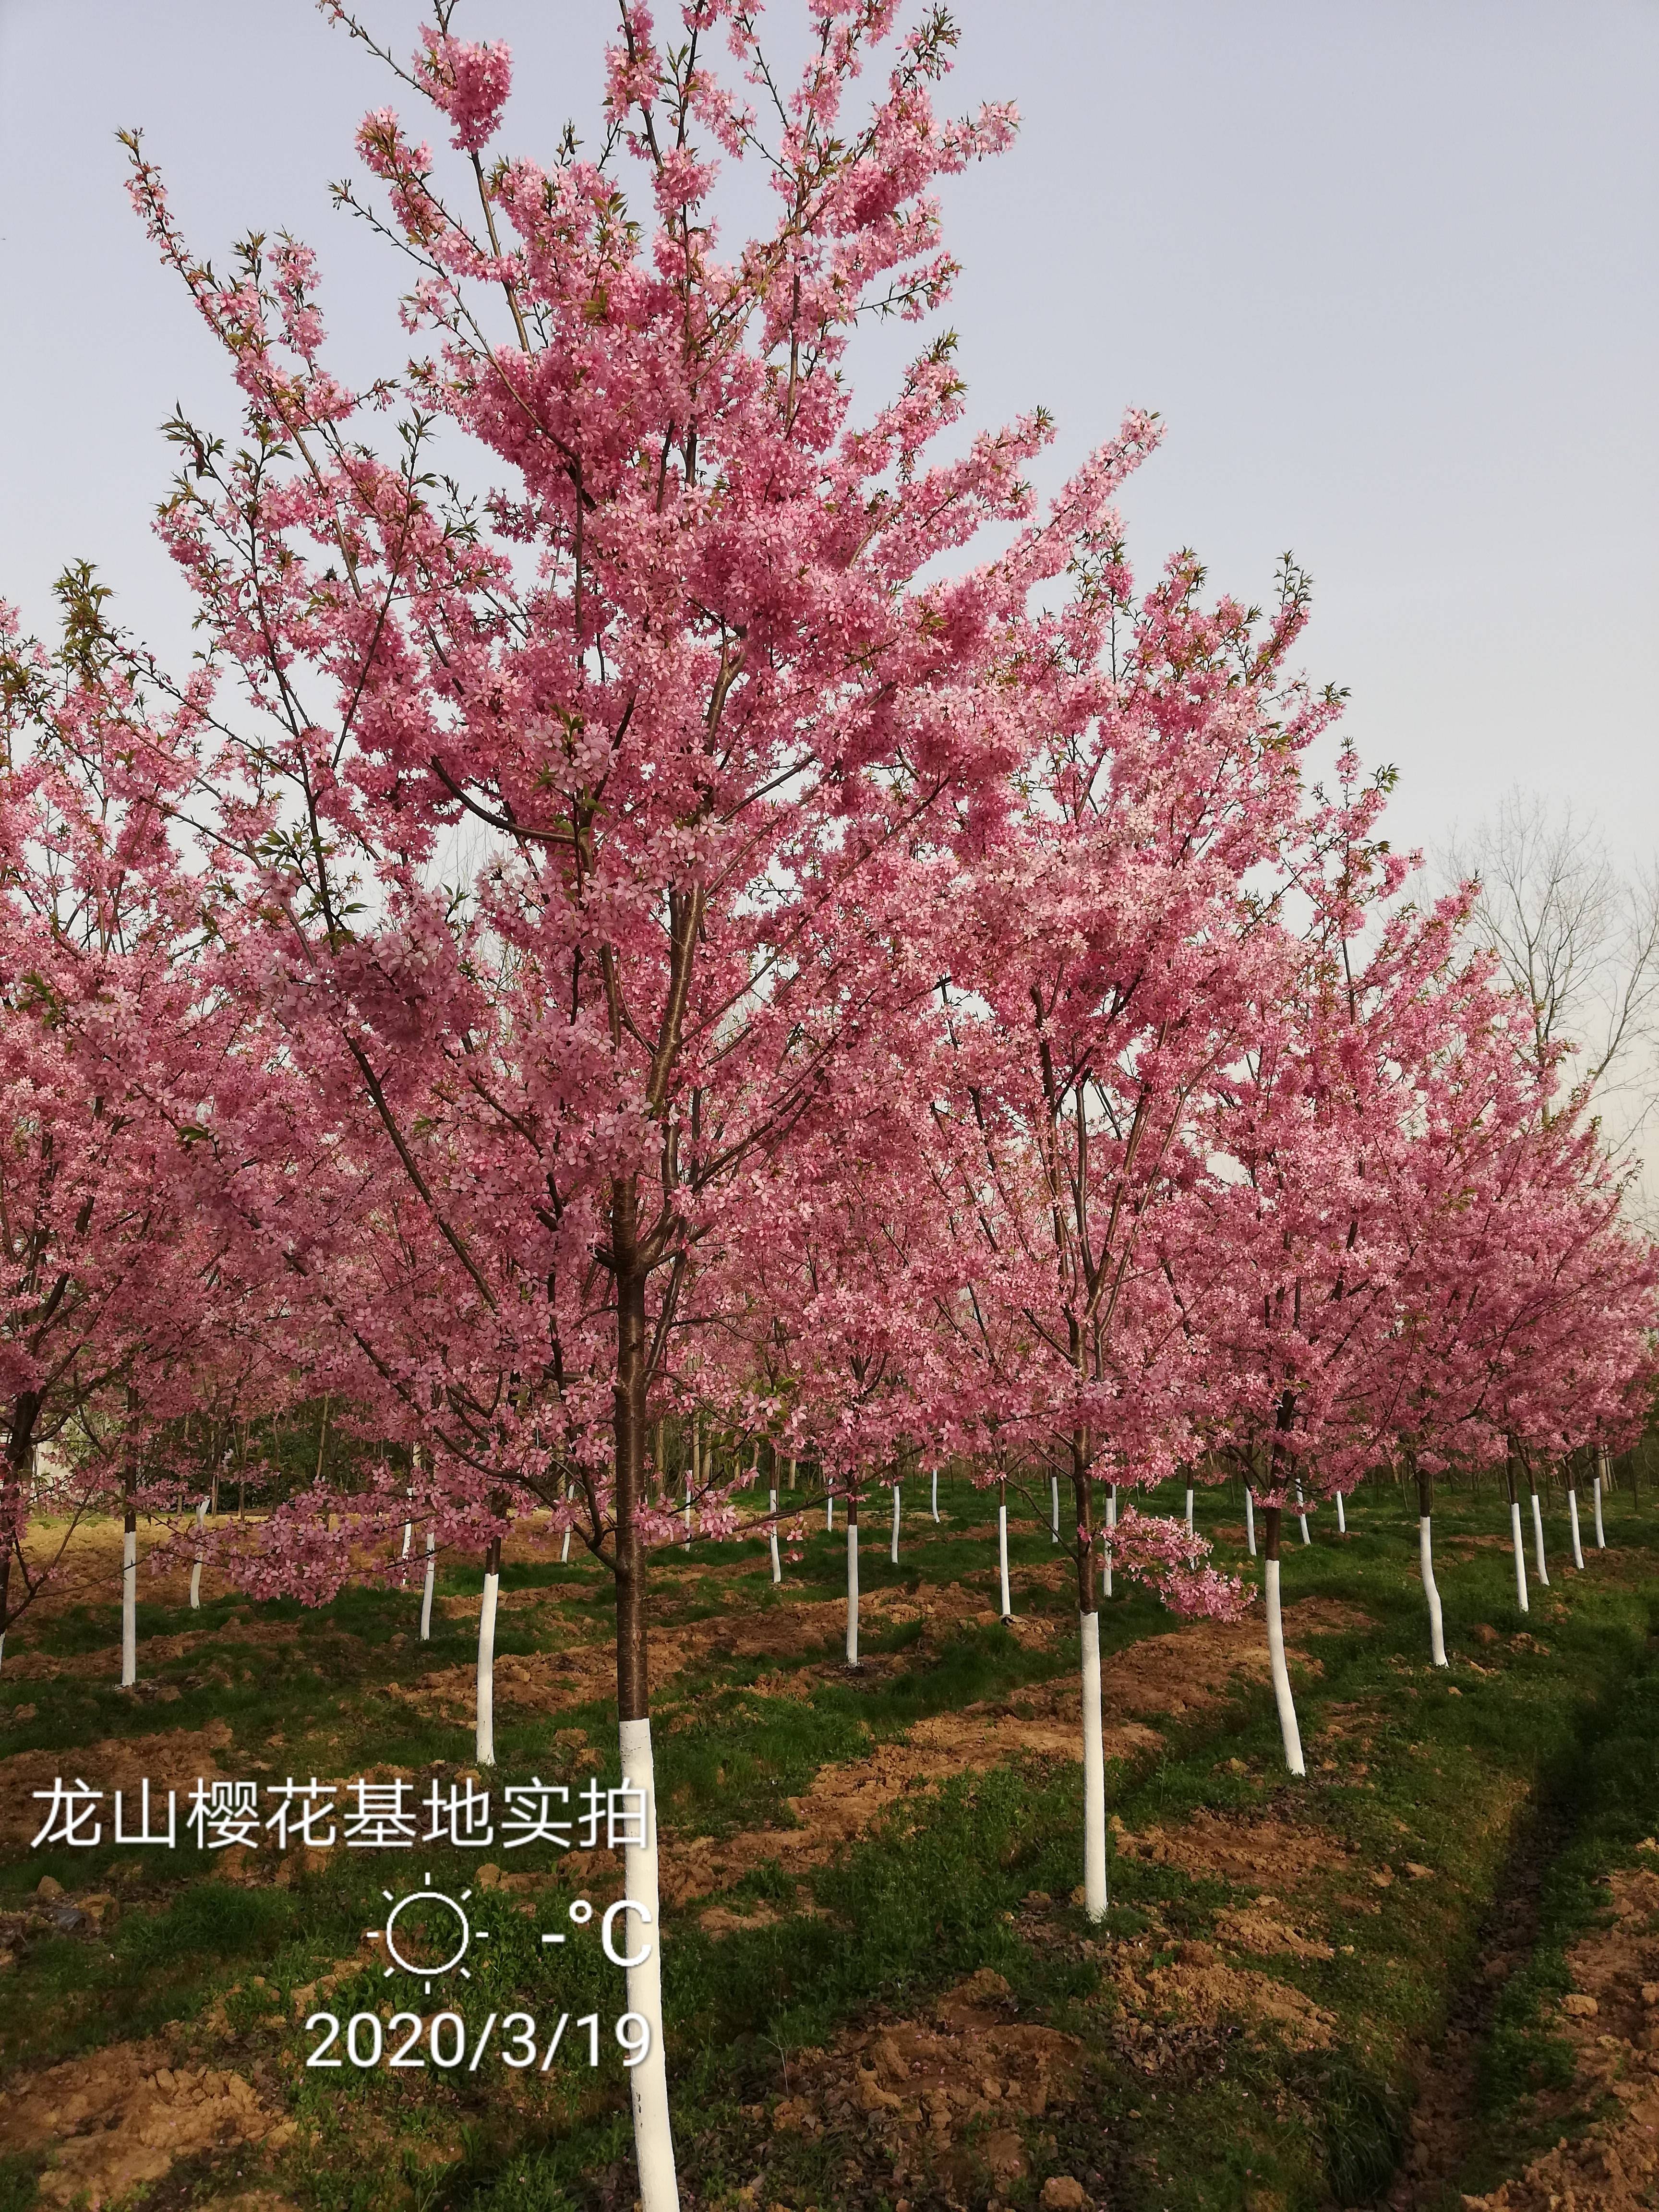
(1386, 267)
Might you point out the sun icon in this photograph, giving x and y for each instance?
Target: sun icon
(437, 1903)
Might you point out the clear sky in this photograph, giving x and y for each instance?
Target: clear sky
(1387, 268)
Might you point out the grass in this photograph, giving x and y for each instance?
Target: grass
(1408, 1769)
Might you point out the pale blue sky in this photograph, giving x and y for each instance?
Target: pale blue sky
(1387, 267)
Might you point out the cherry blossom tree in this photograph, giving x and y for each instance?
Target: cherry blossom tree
(691, 672)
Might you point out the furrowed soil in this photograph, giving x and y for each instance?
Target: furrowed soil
(1427, 1975)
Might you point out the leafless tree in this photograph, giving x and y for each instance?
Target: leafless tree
(1580, 940)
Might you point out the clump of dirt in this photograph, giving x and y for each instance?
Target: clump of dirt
(1611, 2018)
(943, 2098)
(117, 2120)
(1253, 1928)
(1236, 1849)
(1202, 1988)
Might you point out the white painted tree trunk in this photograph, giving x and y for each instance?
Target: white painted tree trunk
(564, 1547)
(1572, 1519)
(1249, 1519)
(1520, 1556)
(1302, 1515)
(196, 1563)
(639, 1933)
(1053, 1506)
(1002, 1553)
(777, 1564)
(1431, 1591)
(1189, 1508)
(485, 1748)
(1094, 1773)
(1538, 1542)
(895, 1522)
(852, 1584)
(829, 1512)
(409, 1531)
(431, 1578)
(688, 1513)
(1341, 1515)
(1601, 1535)
(1290, 1734)
(128, 1608)
(1112, 1524)
(936, 1495)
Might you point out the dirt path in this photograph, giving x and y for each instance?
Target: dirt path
(1610, 2019)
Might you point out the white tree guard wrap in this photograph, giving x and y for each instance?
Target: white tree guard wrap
(1430, 1590)
(1094, 1773)
(851, 1591)
(1290, 1734)
(128, 1608)
(196, 1563)
(1520, 1556)
(485, 1751)
(647, 2082)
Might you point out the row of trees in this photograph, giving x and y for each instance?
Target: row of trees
(904, 998)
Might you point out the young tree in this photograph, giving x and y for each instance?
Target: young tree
(690, 667)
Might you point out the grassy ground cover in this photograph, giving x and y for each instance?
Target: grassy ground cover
(879, 1990)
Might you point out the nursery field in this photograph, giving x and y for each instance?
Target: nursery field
(1418, 1977)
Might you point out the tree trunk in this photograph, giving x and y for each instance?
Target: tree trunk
(1112, 1524)
(196, 1565)
(936, 1496)
(895, 1521)
(830, 1511)
(1301, 1514)
(1537, 1527)
(1053, 1506)
(409, 1528)
(485, 1753)
(19, 1454)
(852, 1575)
(1094, 1899)
(1600, 1470)
(653, 2138)
(1189, 1508)
(1572, 1515)
(1249, 1519)
(777, 1564)
(431, 1578)
(1002, 1546)
(1514, 1535)
(130, 1550)
(1290, 1734)
(1341, 1515)
(1426, 1563)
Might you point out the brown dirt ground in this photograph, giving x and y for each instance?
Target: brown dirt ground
(941, 2097)
(1612, 2020)
(171, 1762)
(1162, 1675)
(1203, 1988)
(119, 2118)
